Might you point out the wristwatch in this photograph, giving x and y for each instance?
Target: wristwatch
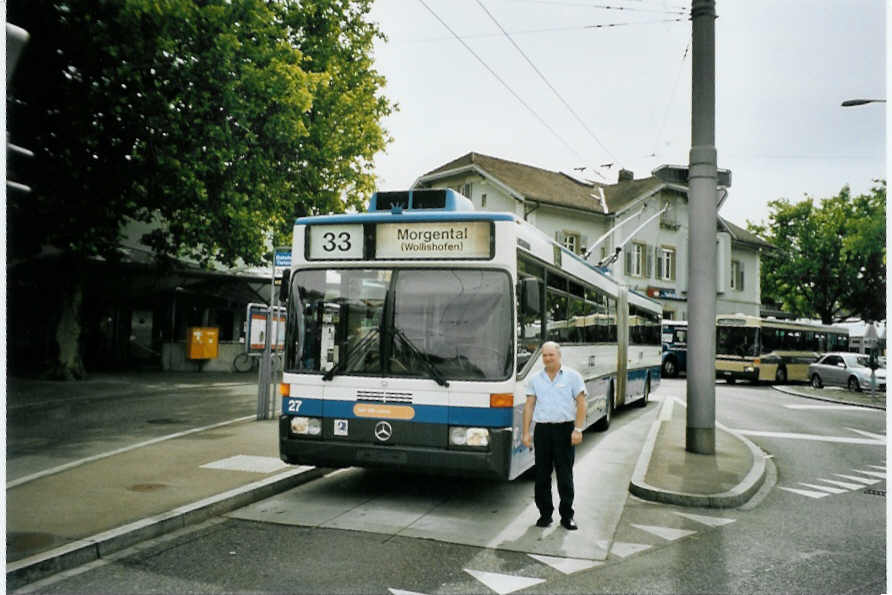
(577, 430)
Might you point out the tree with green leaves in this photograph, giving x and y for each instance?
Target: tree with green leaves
(218, 121)
(829, 260)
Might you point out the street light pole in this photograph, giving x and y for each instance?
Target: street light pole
(702, 253)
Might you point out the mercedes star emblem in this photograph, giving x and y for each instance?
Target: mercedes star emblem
(383, 431)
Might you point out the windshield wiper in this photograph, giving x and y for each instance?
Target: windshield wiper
(434, 371)
(358, 349)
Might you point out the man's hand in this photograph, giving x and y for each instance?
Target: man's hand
(576, 437)
(527, 440)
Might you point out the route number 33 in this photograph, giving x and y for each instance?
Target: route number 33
(336, 241)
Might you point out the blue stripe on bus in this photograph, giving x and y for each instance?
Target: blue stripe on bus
(437, 414)
(404, 217)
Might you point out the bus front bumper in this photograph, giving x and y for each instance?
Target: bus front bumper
(491, 463)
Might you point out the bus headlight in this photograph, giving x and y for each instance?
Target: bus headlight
(306, 425)
(459, 436)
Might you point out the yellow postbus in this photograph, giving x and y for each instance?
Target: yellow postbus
(766, 349)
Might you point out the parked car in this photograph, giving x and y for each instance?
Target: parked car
(845, 369)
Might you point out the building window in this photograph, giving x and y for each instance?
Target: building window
(636, 260)
(737, 275)
(483, 201)
(665, 263)
(570, 241)
(466, 190)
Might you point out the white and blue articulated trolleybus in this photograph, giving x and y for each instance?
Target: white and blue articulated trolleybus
(412, 329)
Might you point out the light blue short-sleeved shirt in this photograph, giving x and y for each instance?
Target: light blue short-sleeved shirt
(555, 400)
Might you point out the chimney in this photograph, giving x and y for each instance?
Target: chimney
(626, 175)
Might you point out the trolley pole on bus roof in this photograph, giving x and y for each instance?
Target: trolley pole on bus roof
(702, 188)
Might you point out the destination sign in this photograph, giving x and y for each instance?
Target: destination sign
(428, 240)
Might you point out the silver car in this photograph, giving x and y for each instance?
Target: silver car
(845, 369)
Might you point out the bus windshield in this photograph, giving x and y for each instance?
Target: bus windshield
(736, 340)
(420, 323)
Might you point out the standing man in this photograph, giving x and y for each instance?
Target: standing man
(556, 402)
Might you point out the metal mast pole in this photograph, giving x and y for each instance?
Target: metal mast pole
(702, 188)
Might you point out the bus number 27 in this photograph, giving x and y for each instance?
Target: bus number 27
(294, 405)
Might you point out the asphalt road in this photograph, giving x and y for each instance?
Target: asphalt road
(794, 538)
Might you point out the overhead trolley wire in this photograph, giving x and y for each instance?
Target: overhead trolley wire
(673, 10)
(545, 80)
(504, 84)
(671, 99)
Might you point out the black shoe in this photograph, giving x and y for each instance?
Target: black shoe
(569, 524)
(543, 521)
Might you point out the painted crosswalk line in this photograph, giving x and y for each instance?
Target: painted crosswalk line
(814, 437)
(667, 533)
(809, 493)
(401, 592)
(864, 480)
(881, 468)
(623, 549)
(247, 463)
(830, 408)
(843, 484)
(712, 521)
(566, 565)
(881, 437)
(871, 473)
(823, 488)
(503, 583)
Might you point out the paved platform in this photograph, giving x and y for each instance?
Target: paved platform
(83, 512)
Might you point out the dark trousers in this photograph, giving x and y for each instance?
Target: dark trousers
(553, 450)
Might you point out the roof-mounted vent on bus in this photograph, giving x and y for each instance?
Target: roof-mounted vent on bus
(439, 199)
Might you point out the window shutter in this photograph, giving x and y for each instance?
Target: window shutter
(628, 262)
(658, 254)
(740, 277)
(559, 237)
(672, 265)
(649, 264)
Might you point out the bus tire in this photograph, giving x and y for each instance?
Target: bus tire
(642, 402)
(602, 424)
(670, 367)
(780, 377)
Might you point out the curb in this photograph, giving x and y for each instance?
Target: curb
(89, 549)
(791, 391)
(732, 498)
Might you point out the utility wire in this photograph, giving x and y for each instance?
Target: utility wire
(504, 84)
(678, 10)
(545, 80)
(671, 99)
(547, 30)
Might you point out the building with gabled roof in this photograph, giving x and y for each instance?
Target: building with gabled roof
(640, 226)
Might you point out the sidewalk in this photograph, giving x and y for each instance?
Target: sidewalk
(100, 505)
(666, 472)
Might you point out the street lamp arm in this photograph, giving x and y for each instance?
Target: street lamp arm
(853, 102)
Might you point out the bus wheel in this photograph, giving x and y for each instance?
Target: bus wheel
(730, 380)
(602, 424)
(780, 377)
(670, 367)
(642, 402)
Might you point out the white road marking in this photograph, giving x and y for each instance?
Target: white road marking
(872, 473)
(566, 565)
(830, 407)
(815, 437)
(844, 484)
(881, 468)
(809, 493)
(863, 480)
(250, 463)
(869, 434)
(824, 488)
(401, 592)
(666, 533)
(623, 549)
(712, 521)
(104, 455)
(503, 583)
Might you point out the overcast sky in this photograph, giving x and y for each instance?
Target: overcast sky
(783, 67)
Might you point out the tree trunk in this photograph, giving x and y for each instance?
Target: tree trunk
(69, 365)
